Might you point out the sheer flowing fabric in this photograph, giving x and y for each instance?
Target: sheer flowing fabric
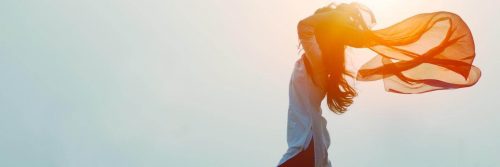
(426, 52)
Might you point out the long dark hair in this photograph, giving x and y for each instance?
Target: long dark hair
(330, 39)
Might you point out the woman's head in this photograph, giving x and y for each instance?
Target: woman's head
(332, 43)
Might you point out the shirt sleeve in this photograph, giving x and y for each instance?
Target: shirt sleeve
(312, 51)
(308, 41)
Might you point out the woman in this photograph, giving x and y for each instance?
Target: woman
(319, 72)
(423, 53)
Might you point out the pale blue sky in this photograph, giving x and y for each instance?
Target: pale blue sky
(203, 83)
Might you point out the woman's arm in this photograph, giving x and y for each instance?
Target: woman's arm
(308, 40)
(354, 32)
(329, 16)
(306, 32)
(312, 53)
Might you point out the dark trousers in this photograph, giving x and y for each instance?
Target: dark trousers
(303, 159)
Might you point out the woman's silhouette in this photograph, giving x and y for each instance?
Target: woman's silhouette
(423, 53)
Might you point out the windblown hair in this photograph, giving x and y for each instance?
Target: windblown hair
(331, 43)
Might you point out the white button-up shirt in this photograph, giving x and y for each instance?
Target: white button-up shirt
(305, 122)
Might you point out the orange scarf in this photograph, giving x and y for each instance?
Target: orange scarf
(426, 52)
